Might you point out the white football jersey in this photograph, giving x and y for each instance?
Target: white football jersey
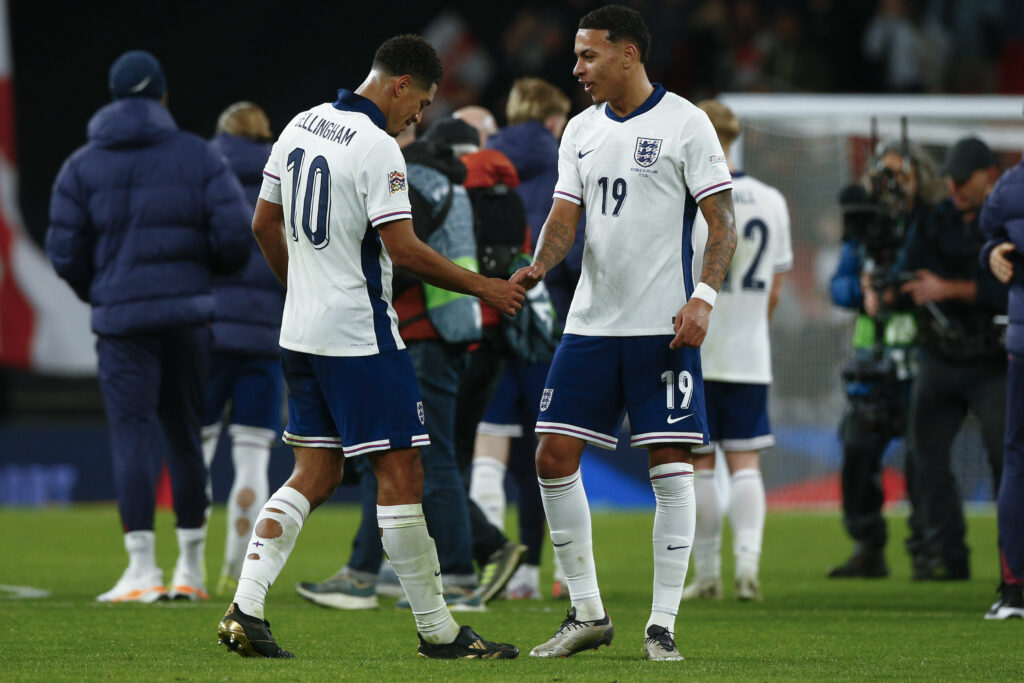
(639, 178)
(736, 348)
(338, 176)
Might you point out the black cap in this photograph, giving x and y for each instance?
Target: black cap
(450, 132)
(966, 157)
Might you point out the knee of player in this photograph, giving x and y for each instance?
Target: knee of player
(269, 527)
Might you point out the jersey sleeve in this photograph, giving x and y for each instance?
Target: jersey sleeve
(569, 186)
(383, 184)
(783, 260)
(271, 189)
(705, 169)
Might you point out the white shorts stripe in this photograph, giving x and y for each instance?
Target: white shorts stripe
(311, 441)
(368, 447)
(590, 436)
(666, 437)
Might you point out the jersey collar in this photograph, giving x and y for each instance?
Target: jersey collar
(648, 104)
(349, 101)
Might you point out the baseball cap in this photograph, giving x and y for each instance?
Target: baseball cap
(449, 132)
(137, 74)
(967, 156)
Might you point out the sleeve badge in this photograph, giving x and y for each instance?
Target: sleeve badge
(396, 182)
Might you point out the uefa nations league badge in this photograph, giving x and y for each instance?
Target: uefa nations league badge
(647, 151)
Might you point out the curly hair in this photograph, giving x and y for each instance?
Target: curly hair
(622, 24)
(411, 55)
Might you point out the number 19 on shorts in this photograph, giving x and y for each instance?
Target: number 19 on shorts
(685, 384)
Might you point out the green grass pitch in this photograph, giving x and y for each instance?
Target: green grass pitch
(806, 628)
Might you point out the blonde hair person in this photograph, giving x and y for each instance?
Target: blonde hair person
(534, 99)
(246, 120)
(726, 123)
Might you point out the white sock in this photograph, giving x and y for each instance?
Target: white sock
(568, 513)
(210, 435)
(487, 489)
(141, 547)
(250, 455)
(707, 541)
(674, 520)
(746, 515)
(191, 554)
(411, 550)
(267, 554)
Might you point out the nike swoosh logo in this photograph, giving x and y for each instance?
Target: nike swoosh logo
(437, 573)
(678, 547)
(583, 154)
(672, 420)
(559, 545)
(141, 86)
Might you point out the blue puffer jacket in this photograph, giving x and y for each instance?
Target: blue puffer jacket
(141, 216)
(1002, 220)
(249, 303)
(534, 152)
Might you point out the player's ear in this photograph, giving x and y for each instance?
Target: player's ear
(402, 85)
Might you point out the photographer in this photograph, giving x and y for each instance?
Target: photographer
(961, 360)
(904, 185)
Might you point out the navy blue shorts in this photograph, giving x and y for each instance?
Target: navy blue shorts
(593, 379)
(361, 404)
(252, 383)
(738, 415)
(515, 400)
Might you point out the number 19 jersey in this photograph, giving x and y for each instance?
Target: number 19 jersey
(640, 178)
(338, 176)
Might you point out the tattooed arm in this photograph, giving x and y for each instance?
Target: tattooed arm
(555, 240)
(691, 323)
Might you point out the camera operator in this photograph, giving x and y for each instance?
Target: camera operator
(904, 185)
(961, 360)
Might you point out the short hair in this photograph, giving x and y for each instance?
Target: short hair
(412, 55)
(534, 99)
(622, 23)
(246, 120)
(726, 123)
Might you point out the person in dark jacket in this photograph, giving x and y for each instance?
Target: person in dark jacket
(141, 218)
(1002, 222)
(245, 389)
(961, 360)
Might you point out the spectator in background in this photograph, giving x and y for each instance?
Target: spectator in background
(961, 360)
(245, 387)
(140, 219)
(537, 113)
(908, 45)
(1002, 222)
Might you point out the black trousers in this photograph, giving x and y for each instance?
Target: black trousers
(942, 395)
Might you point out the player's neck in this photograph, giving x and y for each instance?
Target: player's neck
(634, 94)
(375, 90)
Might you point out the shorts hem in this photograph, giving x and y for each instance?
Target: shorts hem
(756, 443)
(513, 431)
(596, 438)
(648, 438)
(311, 441)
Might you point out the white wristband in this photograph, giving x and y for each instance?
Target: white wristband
(704, 292)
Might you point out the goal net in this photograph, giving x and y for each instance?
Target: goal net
(810, 147)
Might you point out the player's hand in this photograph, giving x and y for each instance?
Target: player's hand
(927, 287)
(691, 324)
(999, 262)
(503, 295)
(528, 276)
(869, 294)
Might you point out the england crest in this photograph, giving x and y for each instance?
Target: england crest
(545, 399)
(419, 411)
(647, 151)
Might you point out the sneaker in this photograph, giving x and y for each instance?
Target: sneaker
(388, 585)
(748, 588)
(248, 636)
(467, 645)
(559, 590)
(187, 586)
(148, 587)
(1010, 605)
(863, 563)
(226, 585)
(341, 591)
(524, 584)
(576, 636)
(457, 598)
(499, 568)
(704, 589)
(659, 645)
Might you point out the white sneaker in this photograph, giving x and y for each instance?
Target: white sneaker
(146, 587)
(188, 584)
(748, 588)
(704, 589)
(524, 584)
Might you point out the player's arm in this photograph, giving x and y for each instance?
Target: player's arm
(556, 238)
(268, 228)
(411, 254)
(773, 296)
(691, 323)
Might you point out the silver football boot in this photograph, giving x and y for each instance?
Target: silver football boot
(576, 636)
(660, 646)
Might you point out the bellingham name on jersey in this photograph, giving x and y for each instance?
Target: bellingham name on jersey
(639, 178)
